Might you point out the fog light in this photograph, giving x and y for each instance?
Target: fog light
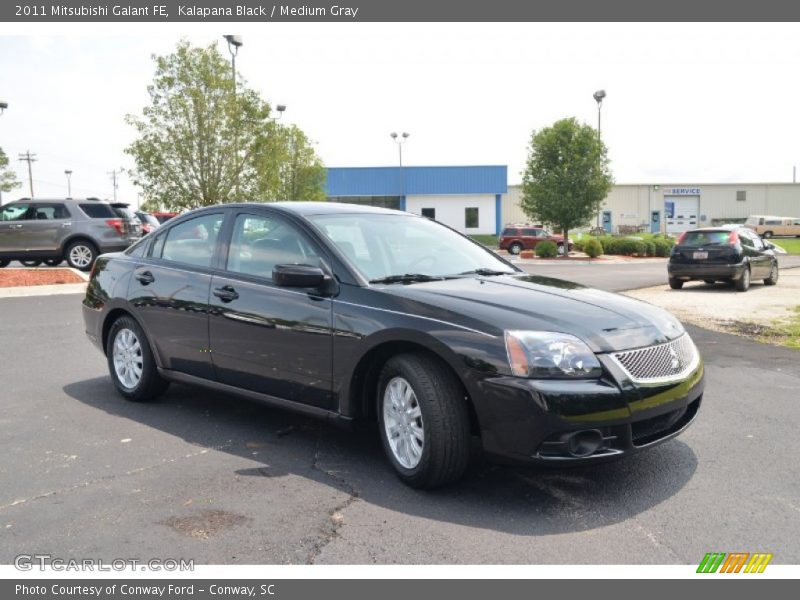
(584, 443)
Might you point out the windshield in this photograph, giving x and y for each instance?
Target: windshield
(390, 245)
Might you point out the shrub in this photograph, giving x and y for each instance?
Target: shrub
(593, 248)
(580, 244)
(547, 249)
(662, 246)
(650, 248)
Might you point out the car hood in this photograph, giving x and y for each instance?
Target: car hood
(607, 322)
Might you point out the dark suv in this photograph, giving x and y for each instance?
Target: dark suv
(64, 229)
(517, 239)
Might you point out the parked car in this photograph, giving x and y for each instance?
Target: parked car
(356, 313)
(768, 227)
(62, 229)
(517, 239)
(149, 222)
(735, 255)
(163, 217)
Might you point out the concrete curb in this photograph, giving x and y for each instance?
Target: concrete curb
(43, 290)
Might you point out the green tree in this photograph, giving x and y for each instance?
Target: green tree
(300, 174)
(199, 143)
(8, 179)
(566, 176)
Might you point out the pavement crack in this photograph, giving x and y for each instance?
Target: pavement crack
(110, 477)
(330, 530)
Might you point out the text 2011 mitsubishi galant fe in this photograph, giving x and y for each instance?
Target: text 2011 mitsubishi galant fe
(355, 313)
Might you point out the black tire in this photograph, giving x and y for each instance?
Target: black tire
(515, 248)
(767, 235)
(75, 252)
(53, 262)
(444, 419)
(30, 263)
(743, 283)
(4, 263)
(710, 281)
(150, 384)
(774, 273)
(675, 284)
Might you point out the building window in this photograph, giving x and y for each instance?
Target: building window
(741, 196)
(471, 218)
(429, 213)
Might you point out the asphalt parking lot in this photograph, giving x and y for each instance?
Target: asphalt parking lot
(222, 480)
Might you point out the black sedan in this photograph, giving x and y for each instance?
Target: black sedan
(734, 255)
(353, 313)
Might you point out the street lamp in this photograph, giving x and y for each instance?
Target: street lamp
(234, 43)
(281, 108)
(68, 173)
(400, 140)
(3, 106)
(598, 97)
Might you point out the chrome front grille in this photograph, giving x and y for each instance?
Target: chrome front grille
(660, 364)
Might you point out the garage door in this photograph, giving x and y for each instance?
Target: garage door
(681, 213)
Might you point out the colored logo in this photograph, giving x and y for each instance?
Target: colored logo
(734, 562)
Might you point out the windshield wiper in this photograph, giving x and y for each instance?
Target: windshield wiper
(486, 271)
(407, 278)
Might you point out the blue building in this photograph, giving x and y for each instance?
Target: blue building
(468, 199)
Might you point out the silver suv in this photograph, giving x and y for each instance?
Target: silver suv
(36, 231)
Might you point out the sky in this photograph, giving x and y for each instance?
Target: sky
(686, 103)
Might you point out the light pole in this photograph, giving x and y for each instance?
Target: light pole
(3, 106)
(68, 173)
(598, 97)
(400, 140)
(234, 43)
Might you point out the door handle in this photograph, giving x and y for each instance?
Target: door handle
(66, 224)
(226, 293)
(145, 277)
(16, 226)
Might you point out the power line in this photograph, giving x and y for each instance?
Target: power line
(30, 159)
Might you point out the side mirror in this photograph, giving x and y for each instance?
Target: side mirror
(298, 276)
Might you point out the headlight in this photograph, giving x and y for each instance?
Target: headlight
(547, 354)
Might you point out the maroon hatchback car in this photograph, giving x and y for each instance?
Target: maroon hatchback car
(517, 239)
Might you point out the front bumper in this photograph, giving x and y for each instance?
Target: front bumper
(534, 420)
(689, 271)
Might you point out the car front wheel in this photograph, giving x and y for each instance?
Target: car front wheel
(30, 263)
(4, 263)
(773, 276)
(743, 283)
(675, 284)
(81, 255)
(130, 362)
(424, 421)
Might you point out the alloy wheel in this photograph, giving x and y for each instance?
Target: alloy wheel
(128, 360)
(80, 256)
(402, 420)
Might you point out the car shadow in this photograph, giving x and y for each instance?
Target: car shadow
(522, 500)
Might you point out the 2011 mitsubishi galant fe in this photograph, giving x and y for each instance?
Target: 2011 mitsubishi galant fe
(354, 313)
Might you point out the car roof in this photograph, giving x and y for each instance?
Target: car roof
(319, 208)
(97, 200)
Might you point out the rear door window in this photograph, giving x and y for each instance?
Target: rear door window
(98, 210)
(50, 212)
(191, 242)
(14, 212)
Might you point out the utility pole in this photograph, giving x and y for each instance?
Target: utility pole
(114, 174)
(30, 159)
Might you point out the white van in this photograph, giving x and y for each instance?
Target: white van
(768, 227)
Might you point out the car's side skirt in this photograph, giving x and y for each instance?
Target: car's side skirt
(306, 409)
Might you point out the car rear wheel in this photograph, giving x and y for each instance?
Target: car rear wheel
(4, 263)
(515, 248)
(710, 281)
(53, 262)
(130, 362)
(424, 421)
(81, 255)
(773, 276)
(30, 263)
(743, 283)
(767, 234)
(675, 284)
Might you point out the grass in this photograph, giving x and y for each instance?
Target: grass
(791, 245)
(783, 333)
(485, 239)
